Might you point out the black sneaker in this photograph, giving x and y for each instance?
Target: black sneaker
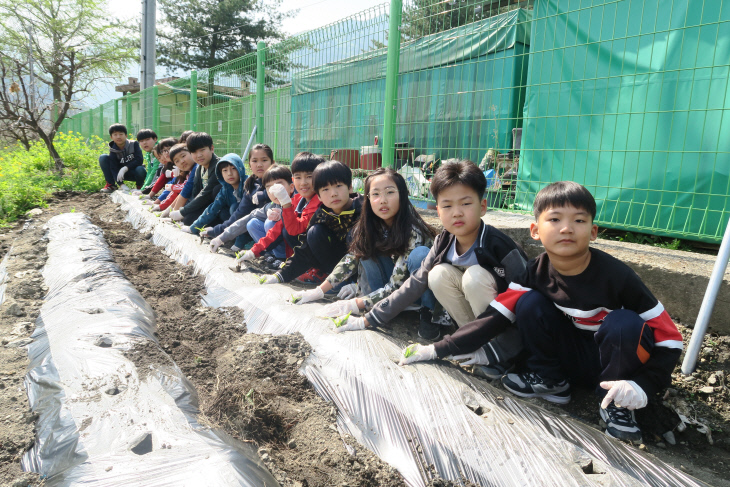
(620, 423)
(529, 384)
(492, 371)
(427, 329)
(275, 265)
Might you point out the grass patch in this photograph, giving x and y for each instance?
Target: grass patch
(26, 178)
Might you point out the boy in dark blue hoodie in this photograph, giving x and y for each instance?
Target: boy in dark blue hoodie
(124, 161)
(231, 173)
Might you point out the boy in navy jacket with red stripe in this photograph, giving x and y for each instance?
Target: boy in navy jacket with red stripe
(584, 316)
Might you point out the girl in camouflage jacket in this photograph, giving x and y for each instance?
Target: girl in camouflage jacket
(389, 242)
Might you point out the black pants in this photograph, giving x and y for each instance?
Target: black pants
(323, 251)
(558, 350)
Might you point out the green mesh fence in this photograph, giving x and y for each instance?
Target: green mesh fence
(629, 98)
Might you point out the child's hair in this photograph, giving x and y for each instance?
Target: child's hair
(564, 193)
(276, 172)
(154, 152)
(167, 143)
(184, 136)
(461, 172)
(305, 162)
(176, 149)
(117, 127)
(198, 140)
(331, 172)
(250, 183)
(368, 235)
(145, 134)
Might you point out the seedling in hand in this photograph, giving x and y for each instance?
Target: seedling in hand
(202, 235)
(410, 350)
(238, 264)
(295, 299)
(262, 279)
(341, 320)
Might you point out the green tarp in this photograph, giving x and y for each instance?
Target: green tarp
(456, 88)
(630, 99)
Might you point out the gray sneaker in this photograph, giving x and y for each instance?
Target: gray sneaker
(492, 371)
(530, 384)
(620, 423)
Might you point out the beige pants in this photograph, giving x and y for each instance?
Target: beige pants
(464, 292)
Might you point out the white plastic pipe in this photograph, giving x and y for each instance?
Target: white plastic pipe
(708, 303)
(248, 146)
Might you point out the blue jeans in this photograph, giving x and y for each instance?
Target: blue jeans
(110, 168)
(258, 230)
(377, 272)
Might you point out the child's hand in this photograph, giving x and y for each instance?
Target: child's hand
(270, 279)
(417, 353)
(245, 256)
(348, 291)
(279, 192)
(176, 215)
(478, 357)
(624, 394)
(165, 213)
(339, 308)
(186, 229)
(120, 175)
(301, 297)
(274, 214)
(156, 208)
(348, 323)
(215, 244)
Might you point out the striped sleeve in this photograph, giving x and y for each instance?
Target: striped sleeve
(665, 331)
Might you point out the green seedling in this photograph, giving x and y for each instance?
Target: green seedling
(295, 299)
(142, 196)
(73, 210)
(410, 350)
(341, 320)
(178, 225)
(198, 361)
(249, 396)
(202, 235)
(238, 264)
(262, 279)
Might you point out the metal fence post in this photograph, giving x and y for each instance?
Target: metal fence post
(155, 110)
(194, 100)
(91, 124)
(101, 121)
(260, 81)
(391, 83)
(276, 123)
(116, 111)
(129, 112)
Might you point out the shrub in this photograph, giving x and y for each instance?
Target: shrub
(26, 178)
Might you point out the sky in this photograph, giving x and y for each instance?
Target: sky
(312, 14)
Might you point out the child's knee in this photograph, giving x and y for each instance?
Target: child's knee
(626, 328)
(440, 276)
(252, 225)
(415, 258)
(478, 280)
(531, 307)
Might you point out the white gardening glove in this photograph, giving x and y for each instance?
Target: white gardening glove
(155, 207)
(255, 199)
(136, 192)
(339, 308)
(348, 292)
(122, 172)
(168, 187)
(417, 353)
(307, 296)
(215, 244)
(208, 232)
(477, 357)
(273, 214)
(348, 323)
(186, 229)
(624, 394)
(245, 256)
(269, 279)
(148, 203)
(166, 212)
(279, 192)
(176, 215)
(175, 172)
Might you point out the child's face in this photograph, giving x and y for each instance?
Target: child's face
(203, 156)
(183, 161)
(147, 144)
(384, 198)
(303, 184)
(119, 138)
(460, 210)
(164, 156)
(565, 231)
(283, 182)
(231, 175)
(335, 196)
(259, 162)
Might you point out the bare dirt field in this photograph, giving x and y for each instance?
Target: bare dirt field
(250, 385)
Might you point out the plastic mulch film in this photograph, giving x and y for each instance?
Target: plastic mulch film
(425, 418)
(4, 275)
(114, 409)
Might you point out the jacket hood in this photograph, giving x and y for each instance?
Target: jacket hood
(115, 149)
(238, 164)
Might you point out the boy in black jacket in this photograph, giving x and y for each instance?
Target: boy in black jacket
(124, 161)
(205, 183)
(469, 264)
(325, 241)
(585, 318)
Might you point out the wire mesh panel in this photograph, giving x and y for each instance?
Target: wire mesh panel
(316, 79)
(173, 105)
(631, 99)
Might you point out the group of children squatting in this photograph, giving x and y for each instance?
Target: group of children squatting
(573, 316)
